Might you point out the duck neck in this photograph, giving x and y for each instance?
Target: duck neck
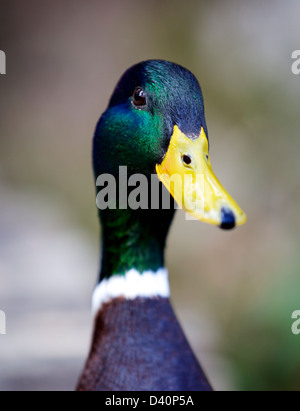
(133, 239)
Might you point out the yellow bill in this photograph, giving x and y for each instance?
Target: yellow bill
(187, 174)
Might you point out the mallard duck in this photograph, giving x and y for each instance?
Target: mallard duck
(154, 125)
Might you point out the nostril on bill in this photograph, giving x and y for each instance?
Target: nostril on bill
(227, 219)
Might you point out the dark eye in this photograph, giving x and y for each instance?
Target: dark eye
(139, 98)
(186, 159)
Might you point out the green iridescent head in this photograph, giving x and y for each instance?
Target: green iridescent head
(155, 123)
(149, 100)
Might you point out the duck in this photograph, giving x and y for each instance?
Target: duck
(154, 127)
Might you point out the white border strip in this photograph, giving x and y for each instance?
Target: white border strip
(131, 286)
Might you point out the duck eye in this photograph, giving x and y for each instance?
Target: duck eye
(186, 159)
(139, 97)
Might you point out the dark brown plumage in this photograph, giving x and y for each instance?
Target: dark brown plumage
(139, 346)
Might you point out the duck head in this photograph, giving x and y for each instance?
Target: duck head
(155, 124)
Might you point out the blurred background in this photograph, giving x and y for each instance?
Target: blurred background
(234, 292)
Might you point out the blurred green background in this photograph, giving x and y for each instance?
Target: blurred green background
(233, 292)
